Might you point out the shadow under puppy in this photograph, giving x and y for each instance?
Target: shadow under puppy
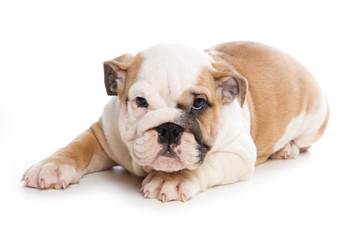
(187, 120)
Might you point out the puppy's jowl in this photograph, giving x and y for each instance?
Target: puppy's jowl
(187, 120)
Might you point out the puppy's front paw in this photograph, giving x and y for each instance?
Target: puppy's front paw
(46, 175)
(181, 186)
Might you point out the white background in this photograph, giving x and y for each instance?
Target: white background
(51, 89)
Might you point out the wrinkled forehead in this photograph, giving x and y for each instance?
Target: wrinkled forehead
(171, 69)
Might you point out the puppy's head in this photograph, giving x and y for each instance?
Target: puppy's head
(170, 99)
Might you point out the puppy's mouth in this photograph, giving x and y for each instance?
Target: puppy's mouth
(167, 151)
(169, 147)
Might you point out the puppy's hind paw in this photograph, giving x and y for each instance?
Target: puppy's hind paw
(289, 151)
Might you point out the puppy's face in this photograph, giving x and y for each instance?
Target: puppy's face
(170, 98)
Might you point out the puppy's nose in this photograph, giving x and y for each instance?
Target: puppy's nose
(169, 133)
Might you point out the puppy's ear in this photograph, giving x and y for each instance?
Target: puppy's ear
(229, 83)
(115, 74)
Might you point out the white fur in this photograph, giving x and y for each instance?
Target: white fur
(172, 68)
(234, 152)
(111, 122)
(234, 121)
(110, 119)
(303, 129)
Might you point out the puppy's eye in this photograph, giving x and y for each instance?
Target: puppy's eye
(199, 105)
(141, 102)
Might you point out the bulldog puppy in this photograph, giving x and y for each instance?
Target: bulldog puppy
(187, 120)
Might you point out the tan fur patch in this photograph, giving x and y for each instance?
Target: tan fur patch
(205, 87)
(80, 151)
(131, 76)
(208, 120)
(129, 65)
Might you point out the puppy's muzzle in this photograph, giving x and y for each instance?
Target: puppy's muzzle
(169, 133)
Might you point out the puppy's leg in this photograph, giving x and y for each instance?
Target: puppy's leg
(83, 155)
(289, 151)
(219, 168)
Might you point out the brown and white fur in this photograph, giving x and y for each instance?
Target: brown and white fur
(260, 103)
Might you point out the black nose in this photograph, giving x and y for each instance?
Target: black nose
(169, 133)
